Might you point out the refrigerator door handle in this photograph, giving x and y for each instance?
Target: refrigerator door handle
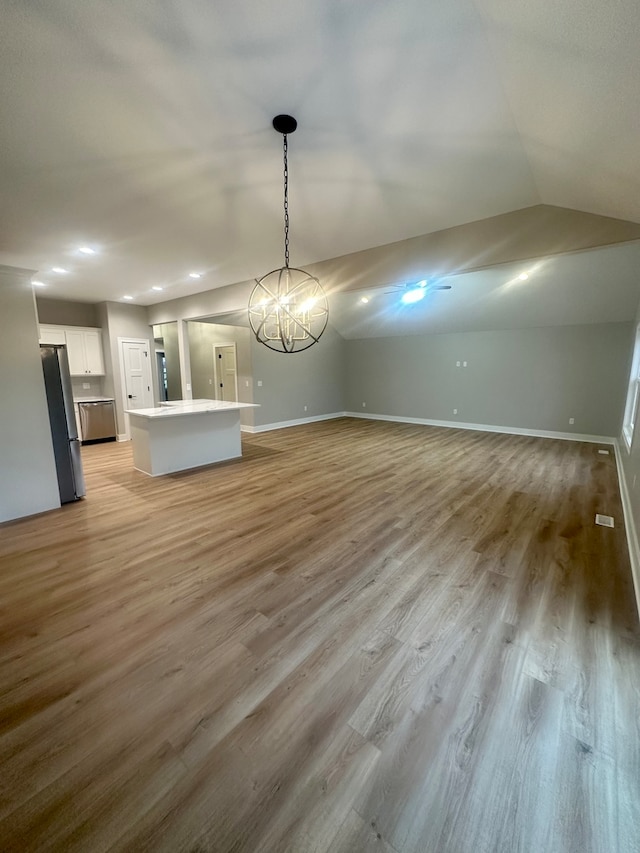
(76, 465)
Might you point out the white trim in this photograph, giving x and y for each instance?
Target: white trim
(536, 433)
(629, 525)
(123, 381)
(122, 436)
(296, 422)
(216, 378)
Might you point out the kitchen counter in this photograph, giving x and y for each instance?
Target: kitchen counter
(183, 434)
(177, 408)
(93, 399)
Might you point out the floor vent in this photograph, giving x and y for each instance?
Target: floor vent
(604, 452)
(604, 520)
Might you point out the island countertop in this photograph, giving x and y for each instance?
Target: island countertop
(177, 408)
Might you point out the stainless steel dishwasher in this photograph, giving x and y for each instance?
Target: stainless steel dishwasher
(97, 420)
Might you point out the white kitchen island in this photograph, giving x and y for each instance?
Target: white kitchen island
(185, 434)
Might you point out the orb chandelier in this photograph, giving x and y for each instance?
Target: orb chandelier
(288, 309)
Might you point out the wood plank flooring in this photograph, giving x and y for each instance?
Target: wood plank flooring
(362, 636)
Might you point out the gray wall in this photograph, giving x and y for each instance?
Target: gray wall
(120, 321)
(314, 377)
(28, 480)
(202, 337)
(59, 312)
(530, 378)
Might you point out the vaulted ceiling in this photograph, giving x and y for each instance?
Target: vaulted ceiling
(143, 129)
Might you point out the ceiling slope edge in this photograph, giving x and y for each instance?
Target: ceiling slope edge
(531, 232)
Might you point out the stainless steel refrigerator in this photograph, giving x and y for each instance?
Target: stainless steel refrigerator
(66, 446)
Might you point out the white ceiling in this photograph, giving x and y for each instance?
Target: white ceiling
(144, 129)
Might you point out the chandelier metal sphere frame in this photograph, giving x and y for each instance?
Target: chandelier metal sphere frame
(288, 309)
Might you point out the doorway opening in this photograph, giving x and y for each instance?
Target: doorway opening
(161, 371)
(225, 369)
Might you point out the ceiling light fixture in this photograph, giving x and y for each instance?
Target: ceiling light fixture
(38, 283)
(127, 297)
(364, 300)
(414, 295)
(523, 276)
(59, 270)
(87, 250)
(195, 275)
(156, 287)
(288, 309)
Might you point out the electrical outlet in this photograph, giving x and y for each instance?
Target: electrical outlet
(246, 383)
(305, 408)
(455, 411)
(86, 385)
(188, 386)
(211, 382)
(457, 364)
(572, 420)
(364, 405)
(259, 383)
(464, 363)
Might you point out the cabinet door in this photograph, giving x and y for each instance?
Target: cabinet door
(93, 352)
(75, 352)
(52, 336)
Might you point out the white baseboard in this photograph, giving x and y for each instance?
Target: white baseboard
(630, 526)
(535, 433)
(296, 422)
(123, 436)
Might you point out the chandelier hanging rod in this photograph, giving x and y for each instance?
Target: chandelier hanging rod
(288, 309)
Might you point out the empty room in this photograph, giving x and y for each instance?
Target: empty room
(319, 479)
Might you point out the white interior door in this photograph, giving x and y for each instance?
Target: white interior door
(136, 375)
(226, 372)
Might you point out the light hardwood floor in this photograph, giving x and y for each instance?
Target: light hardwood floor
(361, 636)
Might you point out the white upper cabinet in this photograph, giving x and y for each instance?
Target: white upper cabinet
(93, 351)
(52, 336)
(84, 348)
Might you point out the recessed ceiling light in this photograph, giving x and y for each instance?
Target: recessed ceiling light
(156, 287)
(364, 300)
(87, 250)
(195, 275)
(38, 283)
(59, 270)
(127, 297)
(523, 276)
